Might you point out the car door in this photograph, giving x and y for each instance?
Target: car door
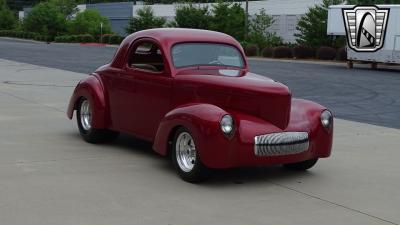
(144, 90)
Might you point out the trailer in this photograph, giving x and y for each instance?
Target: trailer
(390, 50)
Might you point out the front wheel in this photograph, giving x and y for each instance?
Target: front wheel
(84, 115)
(185, 157)
(304, 165)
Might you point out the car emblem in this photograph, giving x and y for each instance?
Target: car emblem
(365, 27)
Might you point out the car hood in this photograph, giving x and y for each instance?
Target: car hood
(250, 93)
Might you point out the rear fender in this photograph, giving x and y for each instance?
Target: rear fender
(92, 89)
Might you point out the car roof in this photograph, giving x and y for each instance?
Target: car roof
(175, 35)
(167, 37)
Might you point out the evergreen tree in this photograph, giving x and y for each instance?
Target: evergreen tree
(145, 19)
(8, 19)
(312, 27)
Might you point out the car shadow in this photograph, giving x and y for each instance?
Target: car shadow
(218, 177)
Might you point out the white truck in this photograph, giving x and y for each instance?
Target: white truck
(390, 51)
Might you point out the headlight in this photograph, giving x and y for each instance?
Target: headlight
(227, 124)
(326, 119)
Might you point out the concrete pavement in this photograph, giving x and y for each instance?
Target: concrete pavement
(48, 175)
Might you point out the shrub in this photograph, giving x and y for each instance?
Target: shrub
(30, 35)
(87, 38)
(115, 39)
(17, 34)
(58, 39)
(267, 52)
(145, 19)
(39, 37)
(46, 19)
(84, 38)
(106, 38)
(88, 22)
(192, 16)
(303, 52)
(282, 52)
(341, 54)
(326, 53)
(251, 50)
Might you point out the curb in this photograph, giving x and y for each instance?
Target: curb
(23, 40)
(326, 62)
(311, 61)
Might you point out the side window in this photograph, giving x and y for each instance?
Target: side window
(147, 56)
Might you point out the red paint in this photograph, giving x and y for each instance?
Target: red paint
(151, 105)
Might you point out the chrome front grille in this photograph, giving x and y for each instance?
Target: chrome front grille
(284, 143)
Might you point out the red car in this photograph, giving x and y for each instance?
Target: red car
(191, 94)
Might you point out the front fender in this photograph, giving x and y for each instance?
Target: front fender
(92, 89)
(202, 120)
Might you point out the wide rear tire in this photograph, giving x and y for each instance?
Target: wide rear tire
(84, 114)
(185, 157)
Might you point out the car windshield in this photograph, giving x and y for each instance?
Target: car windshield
(206, 54)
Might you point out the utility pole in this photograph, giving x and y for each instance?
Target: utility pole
(101, 32)
(246, 20)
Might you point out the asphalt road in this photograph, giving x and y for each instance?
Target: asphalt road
(364, 95)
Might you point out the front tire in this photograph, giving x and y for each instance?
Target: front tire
(185, 157)
(84, 117)
(299, 166)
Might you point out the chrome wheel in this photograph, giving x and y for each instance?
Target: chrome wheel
(185, 152)
(86, 115)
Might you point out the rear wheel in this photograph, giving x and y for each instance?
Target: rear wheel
(304, 165)
(185, 157)
(84, 117)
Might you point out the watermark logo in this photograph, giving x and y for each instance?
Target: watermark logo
(365, 27)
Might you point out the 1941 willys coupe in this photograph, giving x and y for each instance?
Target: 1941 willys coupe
(191, 94)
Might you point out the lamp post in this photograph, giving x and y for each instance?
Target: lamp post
(101, 32)
(246, 20)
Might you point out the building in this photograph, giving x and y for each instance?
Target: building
(118, 13)
(286, 13)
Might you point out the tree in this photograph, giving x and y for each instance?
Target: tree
(88, 22)
(191, 16)
(3, 4)
(371, 2)
(312, 26)
(145, 19)
(46, 18)
(229, 18)
(67, 7)
(8, 19)
(258, 33)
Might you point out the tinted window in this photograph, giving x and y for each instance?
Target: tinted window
(147, 56)
(208, 54)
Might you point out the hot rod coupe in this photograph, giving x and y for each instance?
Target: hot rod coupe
(191, 94)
